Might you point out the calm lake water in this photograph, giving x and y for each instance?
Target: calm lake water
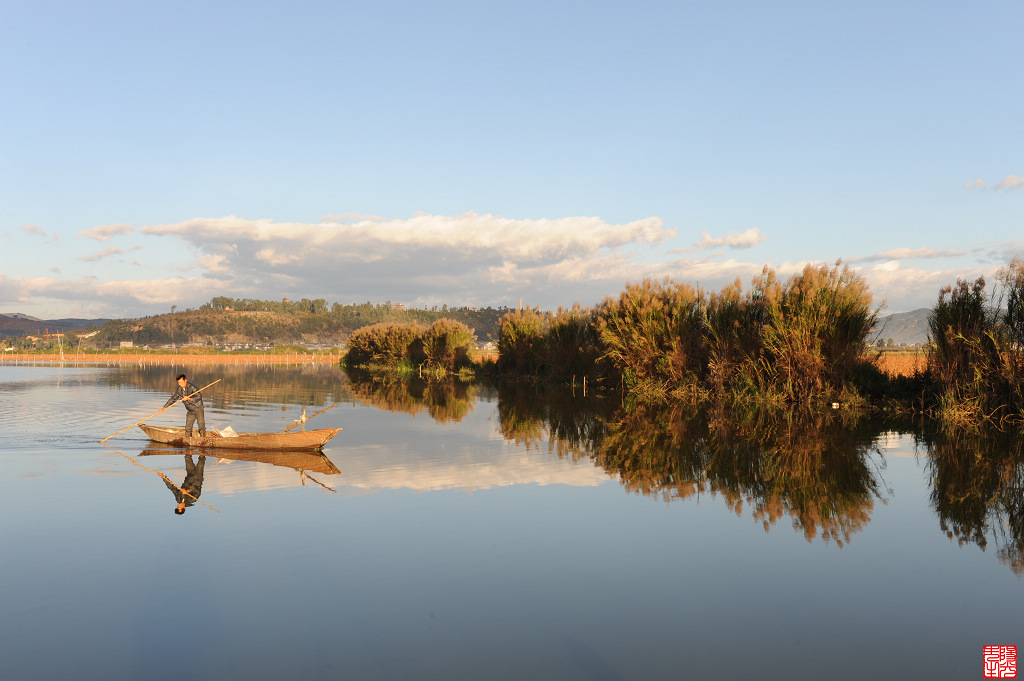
(477, 533)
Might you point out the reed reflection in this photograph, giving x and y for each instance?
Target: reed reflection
(445, 400)
(241, 386)
(571, 425)
(822, 471)
(816, 469)
(978, 490)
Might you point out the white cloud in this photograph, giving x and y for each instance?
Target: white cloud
(104, 232)
(464, 236)
(36, 229)
(107, 252)
(908, 253)
(108, 295)
(464, 259)
(507, 272)
(1011, 182)
(274, 258)
(468, 259)
(907, 288)
(214, 263)
(1003, 253)
(158, 291)
(747, 239)
(1008, 182)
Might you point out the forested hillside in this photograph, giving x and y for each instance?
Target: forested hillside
(15, 324)
(249, 321)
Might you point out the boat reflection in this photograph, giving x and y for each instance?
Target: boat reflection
(305, 464)
(315, 462)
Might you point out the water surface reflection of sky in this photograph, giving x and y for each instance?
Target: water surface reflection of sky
(487, 536)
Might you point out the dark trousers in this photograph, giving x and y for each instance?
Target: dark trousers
(192, 417)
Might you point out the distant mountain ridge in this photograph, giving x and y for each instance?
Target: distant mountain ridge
(910, 328)
(18, 324)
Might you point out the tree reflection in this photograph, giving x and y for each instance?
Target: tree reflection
(978, 490)
(820, 470)
(571, 424)
(444, 400)
(815, 469)
(314, 385)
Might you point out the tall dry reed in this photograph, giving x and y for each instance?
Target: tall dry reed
(383, 345)
(781, 344)
(446, 344)
(815, 331)
(521, 341)
(977, 348)
(653, 336)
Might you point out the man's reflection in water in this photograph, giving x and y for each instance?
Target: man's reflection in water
(193, 484)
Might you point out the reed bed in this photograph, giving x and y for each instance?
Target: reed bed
(439, 350)
(978, 348)
(801, 341)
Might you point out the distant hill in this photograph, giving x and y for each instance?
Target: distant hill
(910, 328)
(17, 324)
(245, 322)
(249, 322)
(206, 325)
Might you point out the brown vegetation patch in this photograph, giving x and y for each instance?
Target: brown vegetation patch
(902, 364)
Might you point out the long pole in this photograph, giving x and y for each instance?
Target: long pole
(158, 412)
(168, 480)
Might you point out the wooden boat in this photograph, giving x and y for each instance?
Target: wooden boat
(314, 461)
(295, 441)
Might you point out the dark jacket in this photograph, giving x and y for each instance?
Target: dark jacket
(193, 481)
(193, 403)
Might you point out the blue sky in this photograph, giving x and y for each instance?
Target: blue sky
(480, 152)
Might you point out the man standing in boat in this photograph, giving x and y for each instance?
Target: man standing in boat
(193, 401)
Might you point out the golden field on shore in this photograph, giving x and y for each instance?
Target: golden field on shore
(167, 359)
(902, 363)
(892, 363)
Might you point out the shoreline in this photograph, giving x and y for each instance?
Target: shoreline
(12, 358)
(894, 364)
